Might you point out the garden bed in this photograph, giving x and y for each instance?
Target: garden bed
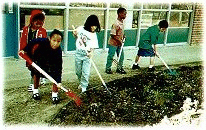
(143, 99)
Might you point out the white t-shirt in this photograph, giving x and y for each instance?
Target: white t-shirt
(87, 38)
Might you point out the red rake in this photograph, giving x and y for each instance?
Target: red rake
(68, 92)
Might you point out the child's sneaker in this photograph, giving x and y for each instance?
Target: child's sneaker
(55, 98)
(121, 71)
(36, 95)
(84, 89)
(30, 88)
(80, 87)
(151, 69)
(109, 71)
(135, 66)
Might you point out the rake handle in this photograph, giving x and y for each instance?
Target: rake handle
(68, 92)
(99, 75)
(163, 61)
(30, 62)
(28, 59)
(120, 53)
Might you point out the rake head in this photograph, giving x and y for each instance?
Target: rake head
(76, 99)
(172, 72)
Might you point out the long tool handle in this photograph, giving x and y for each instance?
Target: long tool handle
(99, 75)
(30, 62)
(163, 61)
(68, 92)
(120, 53)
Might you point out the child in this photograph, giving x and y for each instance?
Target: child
(32, 31)
(150, 38)
(85, 44)
(115, 42)
(47, 53)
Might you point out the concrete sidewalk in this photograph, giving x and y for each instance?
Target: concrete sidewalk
(14, 69)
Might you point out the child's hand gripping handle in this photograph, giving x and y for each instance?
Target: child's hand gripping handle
(26, 57)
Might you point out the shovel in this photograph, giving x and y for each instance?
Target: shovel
(68, 92)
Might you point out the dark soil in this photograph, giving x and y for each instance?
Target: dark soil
(143, 99)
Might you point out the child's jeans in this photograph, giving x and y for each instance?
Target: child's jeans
(111, 53)
(82, 67)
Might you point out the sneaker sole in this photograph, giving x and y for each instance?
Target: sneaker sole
(29, 90)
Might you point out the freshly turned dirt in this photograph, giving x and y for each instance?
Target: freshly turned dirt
(142, 99)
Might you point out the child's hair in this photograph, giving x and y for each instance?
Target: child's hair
(39, 16)
(163, 24)
(121, 10)
(55, 31)
(92, 20)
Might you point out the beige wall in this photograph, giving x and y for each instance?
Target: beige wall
(51, 22)
(78, 17)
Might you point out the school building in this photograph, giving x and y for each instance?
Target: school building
(185, 21)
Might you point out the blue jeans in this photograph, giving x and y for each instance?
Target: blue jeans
(82, 67)
(111, 53)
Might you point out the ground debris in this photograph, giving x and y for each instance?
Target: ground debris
(143, 99)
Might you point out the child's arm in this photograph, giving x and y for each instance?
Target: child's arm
(90, 53)
(29, 47)
(74, 31)
(44, 33)
(117, 38)
(23, 39)
(155, 48)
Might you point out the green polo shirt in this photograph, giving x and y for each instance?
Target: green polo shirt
(150, 37)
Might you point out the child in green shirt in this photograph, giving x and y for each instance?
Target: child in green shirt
(150, 37)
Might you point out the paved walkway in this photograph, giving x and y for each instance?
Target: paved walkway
(14, 69)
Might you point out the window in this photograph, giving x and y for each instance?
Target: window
(137, 5)
(54, 18)
(150, 18)
(155, 6)
(117, 5)
(43, 3)
(179, 19)
(181, 6)
(112, 18)
(77, 17)
(135, 19)
(88, 4)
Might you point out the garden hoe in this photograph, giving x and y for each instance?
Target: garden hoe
(68, 92)
(170, 71)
